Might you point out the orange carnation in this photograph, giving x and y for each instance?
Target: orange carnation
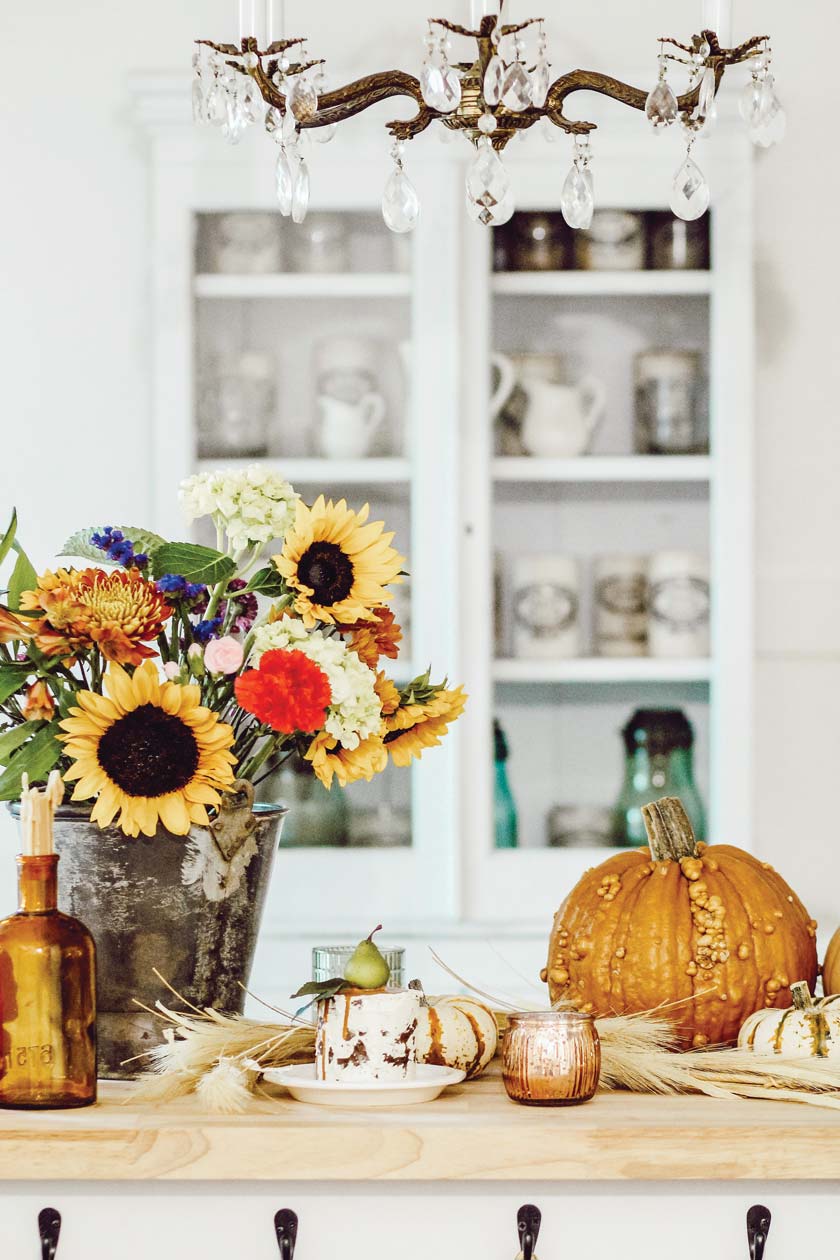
(288, 691)
(115, 613)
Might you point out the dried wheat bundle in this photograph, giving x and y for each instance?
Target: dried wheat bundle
(219, 1057)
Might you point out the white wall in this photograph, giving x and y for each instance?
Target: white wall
(75, 337)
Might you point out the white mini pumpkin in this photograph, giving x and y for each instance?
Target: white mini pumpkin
(808, 1029)
(457, 1032)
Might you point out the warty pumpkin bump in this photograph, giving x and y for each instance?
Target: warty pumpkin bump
(707, 934)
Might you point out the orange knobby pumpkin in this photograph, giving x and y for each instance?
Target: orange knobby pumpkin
(706, 933)
(831, 966)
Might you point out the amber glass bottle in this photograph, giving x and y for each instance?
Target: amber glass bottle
(47, 997)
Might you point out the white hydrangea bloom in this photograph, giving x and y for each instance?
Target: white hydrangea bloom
(251, 505)
(355, 711)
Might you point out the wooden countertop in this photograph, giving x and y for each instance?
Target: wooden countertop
(472, 1133)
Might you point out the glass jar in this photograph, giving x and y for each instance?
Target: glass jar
(659, 747)
(538, 242)
(320, 244)
(551, 1058)
(504, 808)
(676, 245)
(329, 961)
(667, 403)
(614, 241)
(236, 403)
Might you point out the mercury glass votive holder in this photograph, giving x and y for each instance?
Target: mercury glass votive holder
(329, 961)
(551, 1058)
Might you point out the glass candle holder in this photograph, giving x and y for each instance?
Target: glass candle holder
(551, 1058)
(329, 961)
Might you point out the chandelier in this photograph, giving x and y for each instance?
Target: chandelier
(500, 86)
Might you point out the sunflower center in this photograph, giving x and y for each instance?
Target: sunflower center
(149, 752)
(328, 571)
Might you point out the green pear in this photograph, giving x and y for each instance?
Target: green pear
(366, 968)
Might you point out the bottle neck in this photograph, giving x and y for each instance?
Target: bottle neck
(37, 883)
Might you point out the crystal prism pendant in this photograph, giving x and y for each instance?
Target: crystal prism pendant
(451, 93)
(540, 82)
(216, 104)
(690, 193)
(770, 120)
(400, 203)
(197, 100)
(303, 100)
(250, 101)
(516, 88)
(234, 124)
(487, 185)
(300, 192)
(432, 85)
(274, 123)
(284, 182)
(323, 135)
(750, 102)
(577, 202)
(494, 77)
(661, 106)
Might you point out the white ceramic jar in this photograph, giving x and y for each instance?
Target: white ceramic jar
(620, 605)
(546, 607)
(679, 600)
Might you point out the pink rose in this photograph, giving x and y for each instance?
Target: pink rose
(172, 670)
(223, 656)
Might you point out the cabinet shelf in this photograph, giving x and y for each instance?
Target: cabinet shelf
(302, 285)
(616, 468)
(602, 283)
(326, 472)
(602, 669)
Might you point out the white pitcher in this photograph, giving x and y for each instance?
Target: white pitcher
(345, 429)
(560, 420)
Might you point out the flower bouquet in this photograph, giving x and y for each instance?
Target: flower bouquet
(167, 679)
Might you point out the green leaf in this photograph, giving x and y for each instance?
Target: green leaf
(192, 562)
(9, 536)
(12, 738)
(24, 578)
(267, 582)
(79, 544)
(322, 989)
(36, 758)
(12, 678)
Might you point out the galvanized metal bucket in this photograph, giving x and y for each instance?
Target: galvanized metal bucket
(188, 906)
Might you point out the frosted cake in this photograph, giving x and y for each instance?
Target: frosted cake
(367, 1035)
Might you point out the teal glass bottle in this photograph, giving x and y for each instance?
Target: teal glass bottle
(659, 748)
(504, 807)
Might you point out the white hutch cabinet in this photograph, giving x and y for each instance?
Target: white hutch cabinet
(455, 504)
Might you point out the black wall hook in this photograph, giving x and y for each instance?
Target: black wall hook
(49, 1227)
(529, 1219)
(286, 1228)
(758, 1227)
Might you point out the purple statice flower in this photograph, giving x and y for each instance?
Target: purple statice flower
(245, 606)
(206, 630)
(119, 548)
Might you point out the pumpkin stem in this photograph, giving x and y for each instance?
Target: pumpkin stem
(801, 995)
(669, 831)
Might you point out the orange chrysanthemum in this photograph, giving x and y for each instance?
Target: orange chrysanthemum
(372, 639)
(116, 613)
(11, 627)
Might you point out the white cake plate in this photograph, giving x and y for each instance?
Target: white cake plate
(300, 1081)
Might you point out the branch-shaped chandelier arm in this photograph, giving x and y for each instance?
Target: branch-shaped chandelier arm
(356, 97)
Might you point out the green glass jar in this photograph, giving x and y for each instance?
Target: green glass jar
(504, 808)
(659, 746)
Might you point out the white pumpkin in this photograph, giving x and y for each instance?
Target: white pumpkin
(808, 1029)
(457, 1032)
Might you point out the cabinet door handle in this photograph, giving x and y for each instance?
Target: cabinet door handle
(758, 1227)
(528, 1222)
(49, 1227)
(286, 1228)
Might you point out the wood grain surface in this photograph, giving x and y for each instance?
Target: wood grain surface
(472, 1133)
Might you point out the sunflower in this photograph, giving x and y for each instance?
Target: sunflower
(84, 608)
(338, 564)
(150, 750)
(329, 759)
(416, 726)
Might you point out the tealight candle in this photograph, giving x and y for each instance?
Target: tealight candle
(551, 1058)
